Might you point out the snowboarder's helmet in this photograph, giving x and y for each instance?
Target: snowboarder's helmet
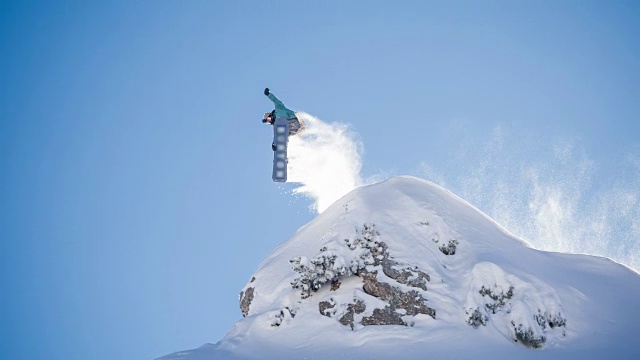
(268, 118)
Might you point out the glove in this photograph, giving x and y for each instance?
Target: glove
(266, 91)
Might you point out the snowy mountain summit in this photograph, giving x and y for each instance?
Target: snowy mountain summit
(404, 269)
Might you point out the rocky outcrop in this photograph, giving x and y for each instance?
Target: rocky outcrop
(246, 297)
(346, 312)
(386, 316)
(382, 277)
(407, 276)
(372, 257)
(450, 248)
(356, 308)
(411, 302)
(399, 304)
(335, 285)
(323, 306)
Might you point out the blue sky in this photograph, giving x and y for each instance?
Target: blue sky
(135, 190)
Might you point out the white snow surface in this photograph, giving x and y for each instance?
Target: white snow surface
(597, 297)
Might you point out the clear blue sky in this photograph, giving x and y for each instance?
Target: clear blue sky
(135, 190)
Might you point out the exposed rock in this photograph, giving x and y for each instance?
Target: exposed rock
(357, 308)
(412, 302)
(419, 279)
(246, 297)
(335, 285)
(369, 257)
(324, 306)
(329, 308)
(386, 316)
(450, 248)
(285, 313)
(408, 276)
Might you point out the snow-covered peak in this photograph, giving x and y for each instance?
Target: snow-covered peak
(405, 264)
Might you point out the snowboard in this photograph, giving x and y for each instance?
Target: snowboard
(280, 139)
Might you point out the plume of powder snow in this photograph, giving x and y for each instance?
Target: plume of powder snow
(325, 158)
(551, 193)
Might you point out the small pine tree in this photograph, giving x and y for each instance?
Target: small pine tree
(328, 266)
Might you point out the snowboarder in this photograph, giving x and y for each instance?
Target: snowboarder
(281, 111)
(285, 123)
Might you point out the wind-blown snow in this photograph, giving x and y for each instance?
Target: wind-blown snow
(326, 159)
(551, 193)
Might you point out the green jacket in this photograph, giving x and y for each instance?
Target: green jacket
(281, 110)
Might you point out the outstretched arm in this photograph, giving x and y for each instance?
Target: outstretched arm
(276, 101)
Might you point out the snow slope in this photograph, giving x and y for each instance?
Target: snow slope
(460, 285)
